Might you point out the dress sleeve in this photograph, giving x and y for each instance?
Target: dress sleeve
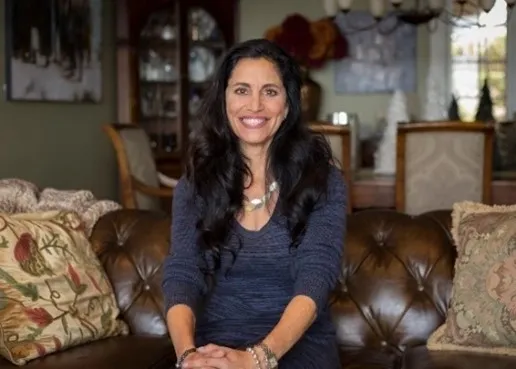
(319, 254)
(183, 279)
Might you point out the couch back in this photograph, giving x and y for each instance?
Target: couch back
(396, 282)
(132, 244)
(396, 275)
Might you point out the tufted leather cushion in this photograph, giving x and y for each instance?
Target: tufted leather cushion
(397, 277)
(132, 245)
(127, 352)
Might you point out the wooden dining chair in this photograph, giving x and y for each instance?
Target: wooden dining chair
(440, 163)
(339, 138)
(142, 186)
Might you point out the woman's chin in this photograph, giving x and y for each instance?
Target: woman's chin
(255, 141)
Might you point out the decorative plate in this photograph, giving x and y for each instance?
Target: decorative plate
(201, 64)
(202, 25)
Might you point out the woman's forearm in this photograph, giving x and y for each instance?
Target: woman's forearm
(181, 327)
(298, 316)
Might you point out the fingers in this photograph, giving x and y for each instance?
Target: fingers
(213, 350)
(192, 361)
(211, 347)
(206, 362)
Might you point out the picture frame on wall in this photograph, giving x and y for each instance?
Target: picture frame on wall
(53, 50)
(382, 59)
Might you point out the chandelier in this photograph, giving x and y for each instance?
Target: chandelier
(421, 12)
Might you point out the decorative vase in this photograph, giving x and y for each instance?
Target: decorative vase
(385, 156)
(311, 93)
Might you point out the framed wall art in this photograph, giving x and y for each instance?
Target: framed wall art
(53, 50)
(382, 59)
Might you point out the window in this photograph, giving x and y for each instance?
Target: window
(479, 54)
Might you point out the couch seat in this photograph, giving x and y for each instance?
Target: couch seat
(421, 358)
(127, 352)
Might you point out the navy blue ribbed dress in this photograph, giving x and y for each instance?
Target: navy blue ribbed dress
(252, 292)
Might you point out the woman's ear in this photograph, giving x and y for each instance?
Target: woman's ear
(285, 115)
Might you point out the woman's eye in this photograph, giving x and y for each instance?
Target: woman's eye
(271, 92)
(240, 91)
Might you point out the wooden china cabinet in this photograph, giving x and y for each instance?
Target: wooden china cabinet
(167, 51)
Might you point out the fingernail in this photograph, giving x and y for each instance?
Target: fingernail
(202, 348)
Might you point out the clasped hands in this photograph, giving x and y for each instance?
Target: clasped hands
(218, 357)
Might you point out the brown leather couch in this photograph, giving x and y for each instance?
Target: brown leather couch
(397, 277)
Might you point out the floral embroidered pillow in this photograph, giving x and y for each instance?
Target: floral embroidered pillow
(54, 293)
(482, 312)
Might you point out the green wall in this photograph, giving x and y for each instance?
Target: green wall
(62, 145)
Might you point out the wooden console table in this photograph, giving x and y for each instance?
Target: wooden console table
(378, 191)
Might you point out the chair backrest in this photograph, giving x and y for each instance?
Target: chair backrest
(339, 138)
(135, 161)
(440, 163)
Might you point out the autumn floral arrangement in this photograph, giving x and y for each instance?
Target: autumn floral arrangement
(312, 44)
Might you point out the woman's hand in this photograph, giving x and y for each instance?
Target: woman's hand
(196, 357)
(219, 357)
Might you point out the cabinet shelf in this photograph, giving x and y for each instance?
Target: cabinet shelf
(155, 118)
(209, 44)
(154, 82)
(148, 42)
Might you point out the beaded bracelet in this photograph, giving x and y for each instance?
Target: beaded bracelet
(253, 353)
(182, 358)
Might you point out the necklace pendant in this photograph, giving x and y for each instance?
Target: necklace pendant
(256, 202)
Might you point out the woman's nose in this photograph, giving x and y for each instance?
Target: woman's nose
(256, 102)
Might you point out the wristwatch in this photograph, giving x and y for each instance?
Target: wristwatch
(272, 361)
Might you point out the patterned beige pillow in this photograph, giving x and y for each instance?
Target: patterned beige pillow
(482, 312)
(54, 293)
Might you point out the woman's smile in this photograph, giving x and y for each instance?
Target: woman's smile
(253, 122)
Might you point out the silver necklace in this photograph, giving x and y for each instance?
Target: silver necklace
(259, 202)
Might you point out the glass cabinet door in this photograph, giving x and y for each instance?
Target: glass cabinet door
(158, 81)
(206, 47)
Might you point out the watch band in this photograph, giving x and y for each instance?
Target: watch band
(272, 361)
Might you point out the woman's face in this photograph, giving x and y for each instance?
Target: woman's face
(256, 101)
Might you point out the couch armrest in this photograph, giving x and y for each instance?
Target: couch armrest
(132, 245)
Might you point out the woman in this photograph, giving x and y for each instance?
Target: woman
(258, 226)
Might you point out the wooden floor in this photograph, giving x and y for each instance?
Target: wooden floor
(378, 191)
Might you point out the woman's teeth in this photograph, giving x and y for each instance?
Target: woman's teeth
(253, 122)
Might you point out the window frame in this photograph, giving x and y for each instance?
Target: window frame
(441, 41)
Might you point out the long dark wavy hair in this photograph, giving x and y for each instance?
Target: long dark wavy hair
(298, 159)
